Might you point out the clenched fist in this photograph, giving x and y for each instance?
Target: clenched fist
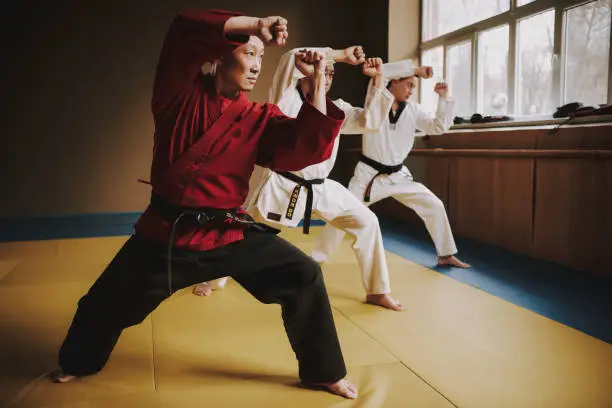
(372, 67)
(272, 30)
(353, 55)
(310, 62)
(424, 72)
(441, 89)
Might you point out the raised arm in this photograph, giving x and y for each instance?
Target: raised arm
(377, 105)
(402, 69)
(353, 55)
(443, 119)
(288, 74)
(196, 37)
(289, 144)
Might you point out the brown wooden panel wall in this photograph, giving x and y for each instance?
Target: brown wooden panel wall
(526, 190)
(573, 213)
(491, 200)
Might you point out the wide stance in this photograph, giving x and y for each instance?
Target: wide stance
(208, 138)
(381, 173)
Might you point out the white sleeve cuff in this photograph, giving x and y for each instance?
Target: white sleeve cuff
(399, 69)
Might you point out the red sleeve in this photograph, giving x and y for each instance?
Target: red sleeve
(289, 144)
(194, 37)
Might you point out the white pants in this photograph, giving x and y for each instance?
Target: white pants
(339, 207)
(414, 195)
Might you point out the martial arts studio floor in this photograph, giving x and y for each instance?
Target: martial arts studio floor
(459, 343)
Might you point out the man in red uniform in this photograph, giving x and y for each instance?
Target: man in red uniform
(208, 138)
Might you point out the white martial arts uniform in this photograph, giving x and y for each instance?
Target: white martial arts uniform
(331, 201)
(390, 146)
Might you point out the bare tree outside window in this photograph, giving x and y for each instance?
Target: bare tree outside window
(552, 63)
(535, 64)
(587, 53)
(459, 75)
(493, 70)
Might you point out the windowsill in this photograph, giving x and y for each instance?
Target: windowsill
(539, 122)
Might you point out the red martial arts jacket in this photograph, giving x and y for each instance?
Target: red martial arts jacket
(236, 135)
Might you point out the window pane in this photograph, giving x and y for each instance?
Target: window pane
(523, 2)
(459, 76)
(435, 59)
(443, 16)
(587, 53)
(535, 70)
(493, 70)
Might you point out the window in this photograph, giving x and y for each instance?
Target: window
(493, 75)
(521, 58)
(435, 59)
(535, 63)
(443, 16)
(587, 52)
(459, 74)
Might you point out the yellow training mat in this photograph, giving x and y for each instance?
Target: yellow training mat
(476, 349)
(454, 346)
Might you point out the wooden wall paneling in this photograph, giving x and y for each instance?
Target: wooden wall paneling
(471, 197)
(573, 213)
(437, 178)
(602, 249)
(597, 136)
(493, 139)
(513, 206)
(491, 200)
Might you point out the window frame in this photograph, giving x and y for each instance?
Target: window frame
(511, 18)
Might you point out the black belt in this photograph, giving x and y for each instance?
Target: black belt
(200, 216)
(211, 217)
(307, 184)
(381, 169)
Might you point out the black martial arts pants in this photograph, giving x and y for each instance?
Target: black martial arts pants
(268, 267)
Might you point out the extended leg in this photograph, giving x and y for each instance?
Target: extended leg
(274, 271)
(431, 210)
(346, 213)
(328, 242)
(131, 287)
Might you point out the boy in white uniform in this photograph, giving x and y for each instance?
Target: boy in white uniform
(381, 173)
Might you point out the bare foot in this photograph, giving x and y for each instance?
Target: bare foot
(202, 289)
(343, 388)
(58, 376)
(452, 261)
(384, 300)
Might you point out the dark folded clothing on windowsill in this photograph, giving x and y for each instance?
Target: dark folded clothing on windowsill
(592, 111)
(577, 109)
(569, 111)
(478, 118)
